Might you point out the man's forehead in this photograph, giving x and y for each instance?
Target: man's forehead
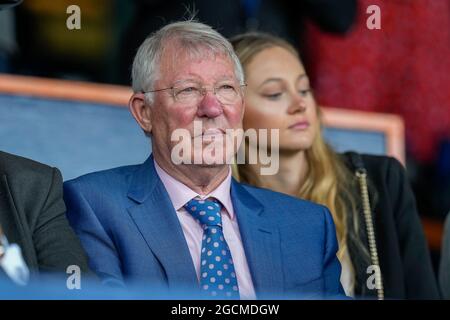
(184, 61)
(181, 47)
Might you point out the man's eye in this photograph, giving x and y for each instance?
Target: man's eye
(226, 88)
(188, 90)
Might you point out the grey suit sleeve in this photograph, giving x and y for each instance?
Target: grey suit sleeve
(56, 245)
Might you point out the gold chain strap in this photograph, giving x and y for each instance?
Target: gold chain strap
(362, 178)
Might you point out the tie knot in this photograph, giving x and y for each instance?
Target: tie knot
(207, 212)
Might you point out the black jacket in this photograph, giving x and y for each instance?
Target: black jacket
(402, 249)
(32, 214)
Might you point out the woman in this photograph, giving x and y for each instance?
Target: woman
(382, 229)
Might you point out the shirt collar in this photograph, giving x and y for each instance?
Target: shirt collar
(180, 194)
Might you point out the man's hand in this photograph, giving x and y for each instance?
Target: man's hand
(12, 262)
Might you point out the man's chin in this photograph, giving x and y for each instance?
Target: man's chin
(210, 160)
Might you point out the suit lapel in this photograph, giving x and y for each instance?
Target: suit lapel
(261, 240)
(157, 221)
(7, 211)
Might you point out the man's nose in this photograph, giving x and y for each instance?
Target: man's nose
(210, 106)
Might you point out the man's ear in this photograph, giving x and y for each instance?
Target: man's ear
(141, 111)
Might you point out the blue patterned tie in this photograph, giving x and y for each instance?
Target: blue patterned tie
(217, 275)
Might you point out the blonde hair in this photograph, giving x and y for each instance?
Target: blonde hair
(328, 180)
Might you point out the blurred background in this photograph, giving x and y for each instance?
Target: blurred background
(402, 68)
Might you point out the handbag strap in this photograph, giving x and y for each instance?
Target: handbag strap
(361, 175)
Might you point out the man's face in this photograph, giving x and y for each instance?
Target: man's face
(207, 70)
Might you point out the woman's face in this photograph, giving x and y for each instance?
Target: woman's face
(278, 96)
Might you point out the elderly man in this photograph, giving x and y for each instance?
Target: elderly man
(189, 224)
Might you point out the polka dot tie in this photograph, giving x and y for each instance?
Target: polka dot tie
(217, 274)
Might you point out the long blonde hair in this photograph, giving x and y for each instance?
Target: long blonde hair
(328, 180)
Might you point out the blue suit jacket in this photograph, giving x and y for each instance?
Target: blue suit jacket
(131, 233)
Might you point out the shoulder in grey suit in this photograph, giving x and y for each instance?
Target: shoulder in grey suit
(32, 215)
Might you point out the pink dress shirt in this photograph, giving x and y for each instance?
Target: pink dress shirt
(180, 194)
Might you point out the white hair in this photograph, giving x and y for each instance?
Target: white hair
(190, 36)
